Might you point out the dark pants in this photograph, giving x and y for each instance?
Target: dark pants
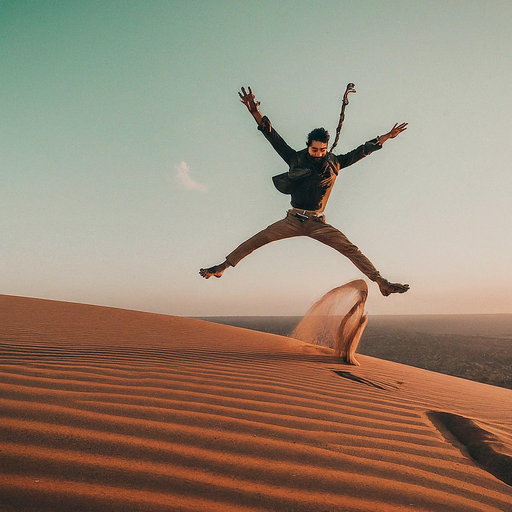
(316, 228)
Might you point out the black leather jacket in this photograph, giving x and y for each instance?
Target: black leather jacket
(309, 182)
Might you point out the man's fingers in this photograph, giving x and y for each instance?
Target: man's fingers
(244, 92)
(398, 128)
(245, 96)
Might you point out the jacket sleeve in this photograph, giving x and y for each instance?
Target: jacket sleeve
(357, 154)
(278, 143)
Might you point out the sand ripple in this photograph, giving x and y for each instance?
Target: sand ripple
(105, 409)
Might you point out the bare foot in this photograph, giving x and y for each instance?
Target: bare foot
(215, 271)
(387, 288)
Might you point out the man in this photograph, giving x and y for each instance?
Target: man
(310, 178)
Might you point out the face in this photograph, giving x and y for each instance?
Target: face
(317, 150)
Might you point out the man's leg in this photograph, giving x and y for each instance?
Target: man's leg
(288, 227)
(334, 238)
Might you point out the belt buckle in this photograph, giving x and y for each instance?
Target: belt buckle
(301, 216)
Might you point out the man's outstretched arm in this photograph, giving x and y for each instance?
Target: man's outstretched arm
(265, 126)
(369, 147)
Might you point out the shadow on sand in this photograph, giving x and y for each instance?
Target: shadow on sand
(484, 447)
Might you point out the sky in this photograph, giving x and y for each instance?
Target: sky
(127, 161)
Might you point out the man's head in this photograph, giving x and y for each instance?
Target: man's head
(317, 143)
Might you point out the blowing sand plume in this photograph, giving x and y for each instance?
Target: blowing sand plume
(337, 320)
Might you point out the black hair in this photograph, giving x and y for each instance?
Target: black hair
(319, 134)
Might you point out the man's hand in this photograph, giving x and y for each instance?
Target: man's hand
(396, 130)
(248, 99)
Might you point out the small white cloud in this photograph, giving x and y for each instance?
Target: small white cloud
(182, 177)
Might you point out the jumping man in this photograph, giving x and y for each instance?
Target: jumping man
(309, 180)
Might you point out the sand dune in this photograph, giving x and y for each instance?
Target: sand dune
(107, 409)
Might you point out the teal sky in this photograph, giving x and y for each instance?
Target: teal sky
(127, 161)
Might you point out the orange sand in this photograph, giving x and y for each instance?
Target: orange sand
(104, 409)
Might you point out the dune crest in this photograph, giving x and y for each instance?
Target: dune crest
(114, 410)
